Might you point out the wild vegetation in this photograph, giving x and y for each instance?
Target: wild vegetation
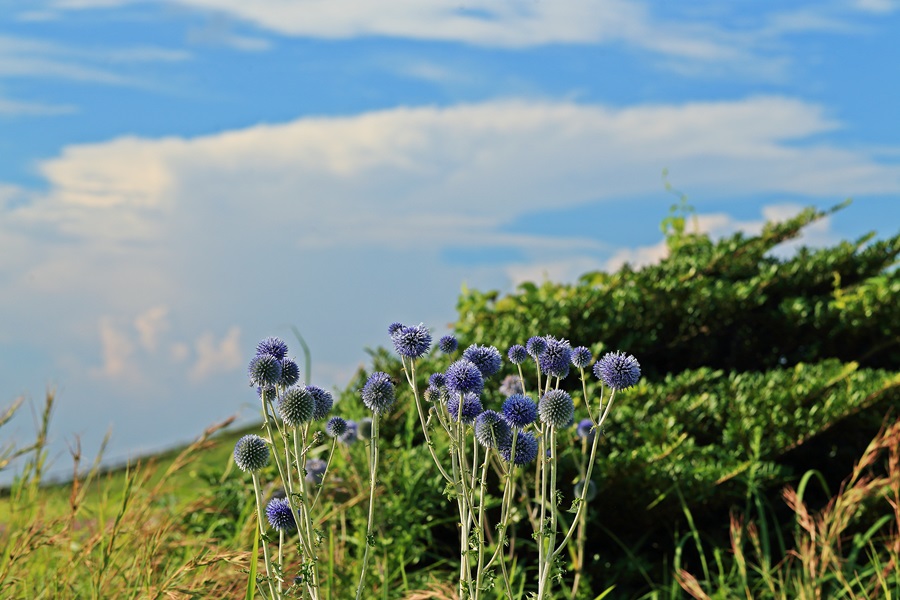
(756, 457)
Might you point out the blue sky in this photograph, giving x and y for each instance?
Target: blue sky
(180, 179)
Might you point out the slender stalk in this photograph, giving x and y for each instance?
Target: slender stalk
(262, 532)
(373, 468)
(479, 573)
(411, 379)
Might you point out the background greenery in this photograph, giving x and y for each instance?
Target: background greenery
(759, 373)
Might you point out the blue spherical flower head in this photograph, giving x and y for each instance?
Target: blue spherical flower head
(517, 354)
(511, 385)
(486, 358)
(492, 430)
(251, 453)
(526, 449)
(535, 346)
(618, 370)
(412, 342)
(290, 373)
(437, 380)
(378, 393)
(267, 394)
(394, 328)
(556, 408)
(519, 410)
(448, 344)
(464, 376)
(365, 428)
(591, 491)
(279, 515)
(556, 357)
(324, 402)
(315, 470)
(297, 406)
(435, 394)
(471, 407)
(335, 427)
(272, 346)
(265, 370)
(585, 429)
(351, 434)
(581, 357)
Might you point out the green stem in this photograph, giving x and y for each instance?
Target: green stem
(262, 532)
(373, 468)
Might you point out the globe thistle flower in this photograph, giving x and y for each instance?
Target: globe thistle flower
(412, 342)
(535, 346)
(378, 393)
(251, 453)
(324, 402)
(279, 515)
(437, 380)
(464, 376)
(585, 429)
(510, 385)
(486, 358)
(526, 449)
(556, 357)
(335, 427)
(435, 394)
(290, 373)
(618, 370)
(315, 470)
(448, 344)
(492, 430)
(272, 346)
(471, 407)
(265, 370)
(517, 354)
(519, 411)
(556, 408)
(591, 491)
(365, 428)
(268, 393)
(394, 328)
(351, 434)
(581, 357)
(297, 406)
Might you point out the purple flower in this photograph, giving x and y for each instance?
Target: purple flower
(471, 407)
(448, 344)
(251, 453)
(272, 346)
(492, 430)
(279, 514)
(556, 408)
(519, 411)
(618, 370)
(517, 354)
(378, 394)
(581, 357)
(585, 429)
(296, 406)
(335, 427)
(526, 449)
(290, 373)
(486, 358)
(464, 376)
(324, 402)
(264, 370)
(535, 346)
(556, 357)
(315, 470)
(412, 341)
(510, 385)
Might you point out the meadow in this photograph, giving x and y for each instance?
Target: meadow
(758, 456)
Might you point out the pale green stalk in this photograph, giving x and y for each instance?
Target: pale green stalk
(481, 523)
(373, 468)
(262, 532)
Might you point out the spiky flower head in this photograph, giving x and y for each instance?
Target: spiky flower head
(591, 490)
(535, 346)
(365, 428)
(290, 372)
(448, 344)
(437, 380)
(526, 449)
(315, 470)
(517, 354)
(618, 370)
(297, 406)
(272, 346)
(264, 370)
(471, 407)
(556, 357)
(492, 430)
(351, 434)
(335, 427)
(556, 408)
(464, 376)
(378, 393)
(510, 385)
(519, 411)
(268, 393)
(486, 358)
(278, 512)
(251, 453)
(394, 328)
(581, 357)
(412, 342)
(324, 402)
(436, 394)
(585, 429)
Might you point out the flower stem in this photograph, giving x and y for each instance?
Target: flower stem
(373, 468)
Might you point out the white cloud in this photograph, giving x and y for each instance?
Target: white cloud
(217, 357)
(13, 107)
(116, 353)
(876, 6)
(150, 324)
